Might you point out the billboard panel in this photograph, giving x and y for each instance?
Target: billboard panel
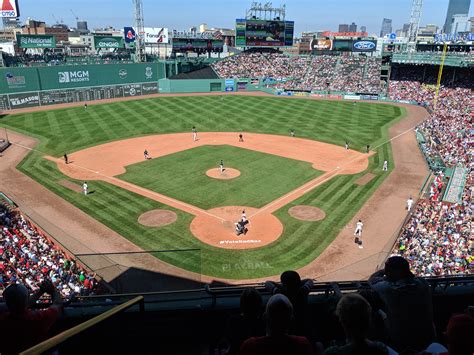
(108, 42)
(36, 41)
(129, 34)
(321, 45)
(364, 45)
(263, 33)
(9, 8)
(198, 45)
(156, 35)
(344, 45)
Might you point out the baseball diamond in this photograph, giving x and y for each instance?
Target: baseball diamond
(278, 171)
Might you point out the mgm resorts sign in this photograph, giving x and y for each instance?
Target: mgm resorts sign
(73, 76)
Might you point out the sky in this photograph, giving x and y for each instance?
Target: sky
(309, 15)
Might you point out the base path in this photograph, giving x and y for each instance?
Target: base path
(106, 161)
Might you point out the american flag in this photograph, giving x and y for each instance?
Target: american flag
(218, 35)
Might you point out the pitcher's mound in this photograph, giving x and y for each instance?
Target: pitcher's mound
(307, 213)
(157, 218)
(227, 174)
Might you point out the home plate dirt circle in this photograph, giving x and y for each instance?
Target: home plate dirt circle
(227, 174)
(307, 213)
(157, 218)
(218, 228)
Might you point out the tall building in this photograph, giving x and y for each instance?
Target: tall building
(32, 27)
(460, 24)
(82, 25)
(455, 7)
(353, 27)
(343, 27)
(363, 29)
(386, 27)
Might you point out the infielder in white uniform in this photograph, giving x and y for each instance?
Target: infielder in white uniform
(85, 187)
(195, 134)
(409, 203)
(358, 233)
(385, 165)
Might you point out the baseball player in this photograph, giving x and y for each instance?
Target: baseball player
(221, 166)
(346, 145)
(409, 204)
(244, 216)
(292, 132)
(66, 160)
(195, 134)
(85, 187)
(85, 105)
(368, 147)
(358, 233)
(385, 165)
(146, 155)
(241, 137)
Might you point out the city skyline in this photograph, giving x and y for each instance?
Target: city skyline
(309, 15)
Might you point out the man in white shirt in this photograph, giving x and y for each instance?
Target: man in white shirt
(85, 187)
(358, 233)
(409, 203)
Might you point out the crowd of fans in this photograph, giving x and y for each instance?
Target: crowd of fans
(305, 73)
(438, 239)
(28, 257)
(393, 316)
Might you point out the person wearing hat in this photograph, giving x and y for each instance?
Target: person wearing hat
(408, 312)
(22, 327)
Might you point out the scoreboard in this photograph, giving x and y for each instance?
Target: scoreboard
(263, 33)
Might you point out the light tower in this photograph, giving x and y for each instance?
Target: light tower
(140, 32)
(416, 8)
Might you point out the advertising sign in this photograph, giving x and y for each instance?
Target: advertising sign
(321, 45)
(9, 8)
(229, 82)
(156, 35)
(364, 46)
(263, 33)
(197, 45)
(23, 100)
(129, 34)
(108, 42)
(36, 41)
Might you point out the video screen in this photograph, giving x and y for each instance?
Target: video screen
(263, 33)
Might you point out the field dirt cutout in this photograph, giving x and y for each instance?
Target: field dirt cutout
(264, 228)
(227, 174)
(157, 218)
(365, 179)
(307, 213)
(71, 186)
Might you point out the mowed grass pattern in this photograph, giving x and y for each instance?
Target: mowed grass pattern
(67, 130)
(182, 176)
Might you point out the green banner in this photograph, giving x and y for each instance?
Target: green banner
(36, 41)
(108, 42)
(14, 80)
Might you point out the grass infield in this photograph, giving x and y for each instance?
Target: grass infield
(182, 176)
(72, 129)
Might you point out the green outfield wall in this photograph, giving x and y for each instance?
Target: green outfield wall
(25, 87)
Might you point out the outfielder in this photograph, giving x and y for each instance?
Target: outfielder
(85, 187)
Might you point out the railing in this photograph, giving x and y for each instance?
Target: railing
(61, 337)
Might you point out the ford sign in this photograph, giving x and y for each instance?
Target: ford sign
(364, 46)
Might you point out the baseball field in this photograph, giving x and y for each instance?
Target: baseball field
(105, 144)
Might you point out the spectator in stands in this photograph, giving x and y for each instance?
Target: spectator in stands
(355, 315)
(459, 334)
(249, 323)
(297, 291)
(22, 327)
(278, 315)
(408, 305)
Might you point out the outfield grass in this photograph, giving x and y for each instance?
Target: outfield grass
(68, 130)
(182, 176)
